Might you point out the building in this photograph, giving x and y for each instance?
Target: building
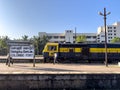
(99, 37)
(68, 36)
(112, 31)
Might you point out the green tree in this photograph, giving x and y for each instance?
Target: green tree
(44, 40)
(81, 38)
(115, 40)
(36, 41)
(39, 43)
(25, 37)
(3, 41)
(3, 45)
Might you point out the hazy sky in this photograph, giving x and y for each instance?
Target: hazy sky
(28, 17)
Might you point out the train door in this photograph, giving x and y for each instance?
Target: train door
(71, 53)
(85, 52)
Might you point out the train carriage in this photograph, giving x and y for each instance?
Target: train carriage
(81, 51)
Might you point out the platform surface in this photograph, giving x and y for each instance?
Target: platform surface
(50, 68)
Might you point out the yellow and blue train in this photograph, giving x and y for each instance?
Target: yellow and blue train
(81, 51)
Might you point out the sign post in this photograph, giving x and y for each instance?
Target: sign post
(9, 60)
(21, 50)
(34, 62)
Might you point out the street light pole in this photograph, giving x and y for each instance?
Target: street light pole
(75, 34)
(105, 14)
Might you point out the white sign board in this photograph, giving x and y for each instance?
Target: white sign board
(22, 52)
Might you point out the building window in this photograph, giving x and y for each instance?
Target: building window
(88, 37)
(94, 36)
(102, 35)
(114, 27)
(109, 27)
(56, 41)
(114, 30)
(69, 31)
(55, 36)
(62, 37)
(98, 38)
(109, 37)
(73, 36)
(49, 37)
(109, 30)
(110, 34)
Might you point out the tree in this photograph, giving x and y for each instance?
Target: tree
(3, 45)
(44, 40)
(115, 40)
(36, 41)
(81, 38)
(39, 43)
(25, 37)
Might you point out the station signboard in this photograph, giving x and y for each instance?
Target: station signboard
(22, 51)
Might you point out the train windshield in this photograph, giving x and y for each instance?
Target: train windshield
(52, 48)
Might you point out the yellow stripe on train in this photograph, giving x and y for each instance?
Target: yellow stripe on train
(68, 49)
(102, 50)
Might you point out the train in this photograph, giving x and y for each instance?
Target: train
(82, 52)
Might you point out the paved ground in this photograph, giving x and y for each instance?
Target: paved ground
(49, 68)
(5, 57)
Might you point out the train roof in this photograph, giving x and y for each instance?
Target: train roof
(89, 45)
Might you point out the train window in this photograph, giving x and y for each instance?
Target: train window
(52, 48)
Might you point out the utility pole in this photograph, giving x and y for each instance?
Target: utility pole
(75, 34)
(104, 15)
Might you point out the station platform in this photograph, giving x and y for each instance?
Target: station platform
(49, 76)
(41, 68)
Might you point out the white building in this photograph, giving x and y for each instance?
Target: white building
(112, 31)
(68, 36)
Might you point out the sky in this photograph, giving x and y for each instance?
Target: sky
(28, 17)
